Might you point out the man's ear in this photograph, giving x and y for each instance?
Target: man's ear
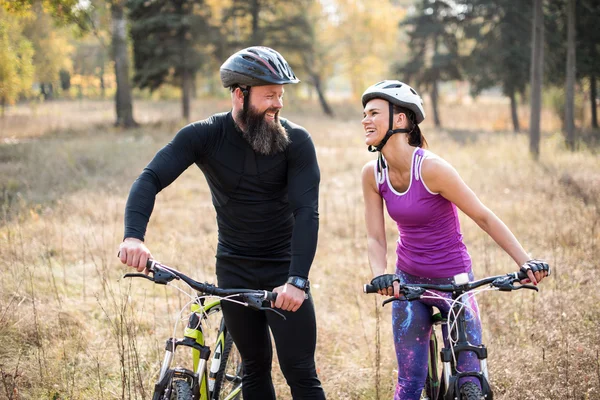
(239, 93)
(238, 96)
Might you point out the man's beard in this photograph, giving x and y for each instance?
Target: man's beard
(265, 137)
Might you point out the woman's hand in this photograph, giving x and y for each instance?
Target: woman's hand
(387, 285)
(536, 270)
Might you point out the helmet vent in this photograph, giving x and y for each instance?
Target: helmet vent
(413, 91)
(248, 58)
(395, 85)
(253, 51)
(275, 67)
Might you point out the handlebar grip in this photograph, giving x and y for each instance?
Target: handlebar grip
(150, 264)
(271, 296)
(522, 275)
(368, 288)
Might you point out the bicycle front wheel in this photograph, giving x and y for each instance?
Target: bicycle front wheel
(228, 382)
(181, 390)
(470, 391)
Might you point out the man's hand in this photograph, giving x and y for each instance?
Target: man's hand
(134, 253)
(289, 297)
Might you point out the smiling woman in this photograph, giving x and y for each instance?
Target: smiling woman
(422, 193)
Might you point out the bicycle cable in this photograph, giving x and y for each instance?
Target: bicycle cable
(452, 315)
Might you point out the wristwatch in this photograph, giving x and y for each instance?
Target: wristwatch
(300, 283)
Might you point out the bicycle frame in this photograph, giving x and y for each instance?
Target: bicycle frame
(202, 383)
(462, 345)
(201, 379)
(456, 341)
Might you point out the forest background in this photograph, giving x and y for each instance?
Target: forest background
(91, 89)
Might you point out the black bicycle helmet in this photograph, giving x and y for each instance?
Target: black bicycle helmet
(256, 66)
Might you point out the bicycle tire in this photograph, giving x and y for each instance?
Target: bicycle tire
(227, 383)
(181, 390)
(470, 391)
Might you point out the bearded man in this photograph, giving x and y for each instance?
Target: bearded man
(264, 180)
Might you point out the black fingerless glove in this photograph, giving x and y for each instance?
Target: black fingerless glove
(384, 281)
(535, 266)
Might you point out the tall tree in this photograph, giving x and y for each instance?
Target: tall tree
(499, 56)
(308, 50)
(587, 47)
(123, 100)
(51, 46)
(570, 86)
(366, 41)
(537, 66)
(16, 61)
(290, 26)
(169, 40)
(434, 48)
(82, 14)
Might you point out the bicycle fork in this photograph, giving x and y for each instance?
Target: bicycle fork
(193, 338)
(463, 345)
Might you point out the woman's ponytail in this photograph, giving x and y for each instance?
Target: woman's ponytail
(415, 137)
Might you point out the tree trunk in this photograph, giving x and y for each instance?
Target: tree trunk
(194, 86)
(570, 89)
(102, 84)
(537, 65)
(47, 91)
(322, 100)
(593, 88)
(434, 105)
(123, 99)
(513, 111)
(255, 10)
(593, 95)
(186, 90)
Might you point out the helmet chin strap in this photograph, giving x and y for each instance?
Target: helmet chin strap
(388, 135)
(246, 93)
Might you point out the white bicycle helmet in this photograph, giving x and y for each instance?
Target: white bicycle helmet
(397, 93)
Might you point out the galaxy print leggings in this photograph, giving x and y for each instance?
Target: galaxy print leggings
(411, 322)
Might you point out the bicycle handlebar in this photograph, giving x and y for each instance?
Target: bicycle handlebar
(162, 274)
(502, 282)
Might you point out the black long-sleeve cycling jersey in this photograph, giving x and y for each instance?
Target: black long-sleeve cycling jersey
(267, 206)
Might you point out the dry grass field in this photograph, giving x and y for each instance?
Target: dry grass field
(70, 328)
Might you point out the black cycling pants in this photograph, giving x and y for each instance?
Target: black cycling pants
(295, 341)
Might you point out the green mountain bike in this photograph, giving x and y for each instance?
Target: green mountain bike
(223, 379)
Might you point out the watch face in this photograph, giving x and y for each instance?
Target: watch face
(298, 282)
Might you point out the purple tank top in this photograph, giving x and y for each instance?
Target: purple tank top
(430, 240)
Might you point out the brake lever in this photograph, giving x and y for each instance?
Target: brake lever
(256, 303)
(387, 301)
(506, 285)
(527, 287)
(275, 311)
(132, 275)
(162, 276)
